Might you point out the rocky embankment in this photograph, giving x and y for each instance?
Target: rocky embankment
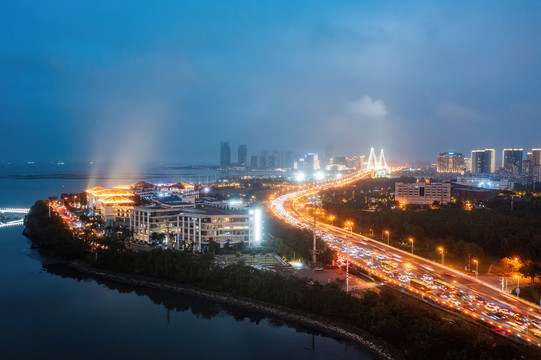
(324, 325)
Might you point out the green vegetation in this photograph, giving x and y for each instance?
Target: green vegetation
(52, 233)
(291, 242)
(495, 229)
(530, 292)
(414, 328)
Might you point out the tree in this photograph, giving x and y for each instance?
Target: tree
(214, 247)
(510, 265)
(530, 269)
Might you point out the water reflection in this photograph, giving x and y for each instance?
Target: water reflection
(199, 307)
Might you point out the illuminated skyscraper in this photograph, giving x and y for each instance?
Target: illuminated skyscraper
(451, 162)
(308, 161)
(536, 156)
(512, 160)
(483, 161)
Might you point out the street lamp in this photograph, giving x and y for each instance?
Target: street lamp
(476, 268)
(332, 217)
(411, 241)
(350, 225)
(442, 252)
(518, 284)
(387, 233)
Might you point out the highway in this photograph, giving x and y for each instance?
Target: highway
(437, 284)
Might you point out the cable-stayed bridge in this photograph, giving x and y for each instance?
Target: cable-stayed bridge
(377, 165)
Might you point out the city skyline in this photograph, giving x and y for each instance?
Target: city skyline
(85, 82)
(305, 180)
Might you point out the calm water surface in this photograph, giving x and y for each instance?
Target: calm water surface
(48, 311)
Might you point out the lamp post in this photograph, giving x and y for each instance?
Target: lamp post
(411, 241)
(476, 268)
(332, 217)
(350, 225)
(518, 284)
(528, 322)
(442, 252)
(387, 233)
(347, 275)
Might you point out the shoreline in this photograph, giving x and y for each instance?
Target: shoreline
(330, 328)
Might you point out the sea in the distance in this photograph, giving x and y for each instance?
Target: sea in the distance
(50, 312)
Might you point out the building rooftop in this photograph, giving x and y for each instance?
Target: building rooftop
(116, 200)
(211, 210)
(206, 210)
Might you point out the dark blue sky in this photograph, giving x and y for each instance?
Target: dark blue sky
(168, 80)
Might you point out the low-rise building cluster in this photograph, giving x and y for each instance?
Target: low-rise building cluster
(176, 216)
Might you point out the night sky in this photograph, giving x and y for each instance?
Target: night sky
(168, 80)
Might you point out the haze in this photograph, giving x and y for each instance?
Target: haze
(169, 80)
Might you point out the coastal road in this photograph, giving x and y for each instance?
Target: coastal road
(434, 282)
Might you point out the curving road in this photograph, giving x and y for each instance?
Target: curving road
(440, 285)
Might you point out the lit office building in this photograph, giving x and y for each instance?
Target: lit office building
(536, 156)
(450, 163)
(188, 226)
(534, 165)
(512, 160)
(483, 161)
(422, 193)
(308, 161)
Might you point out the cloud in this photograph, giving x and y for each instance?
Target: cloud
(368, 109)
(454, 113)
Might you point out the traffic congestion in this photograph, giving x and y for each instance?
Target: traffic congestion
(432, 282)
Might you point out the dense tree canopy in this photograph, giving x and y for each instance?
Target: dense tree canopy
(414, 328)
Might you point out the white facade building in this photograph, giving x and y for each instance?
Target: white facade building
(422, 193)
(190, 226)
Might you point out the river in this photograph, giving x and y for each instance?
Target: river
(48, 311)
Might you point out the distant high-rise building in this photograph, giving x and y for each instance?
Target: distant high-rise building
(264, 160)
(535, 165)
(450, 162)
(536, 156)
(311, 161)
(512, 160)
(362, 162)
(225, 154)
(286, 159)
(275, 160)
(242, 155)
(467, 164)
(254, 162)
(483, 161)
(329, 154)
(339, 160)
(353, 162)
